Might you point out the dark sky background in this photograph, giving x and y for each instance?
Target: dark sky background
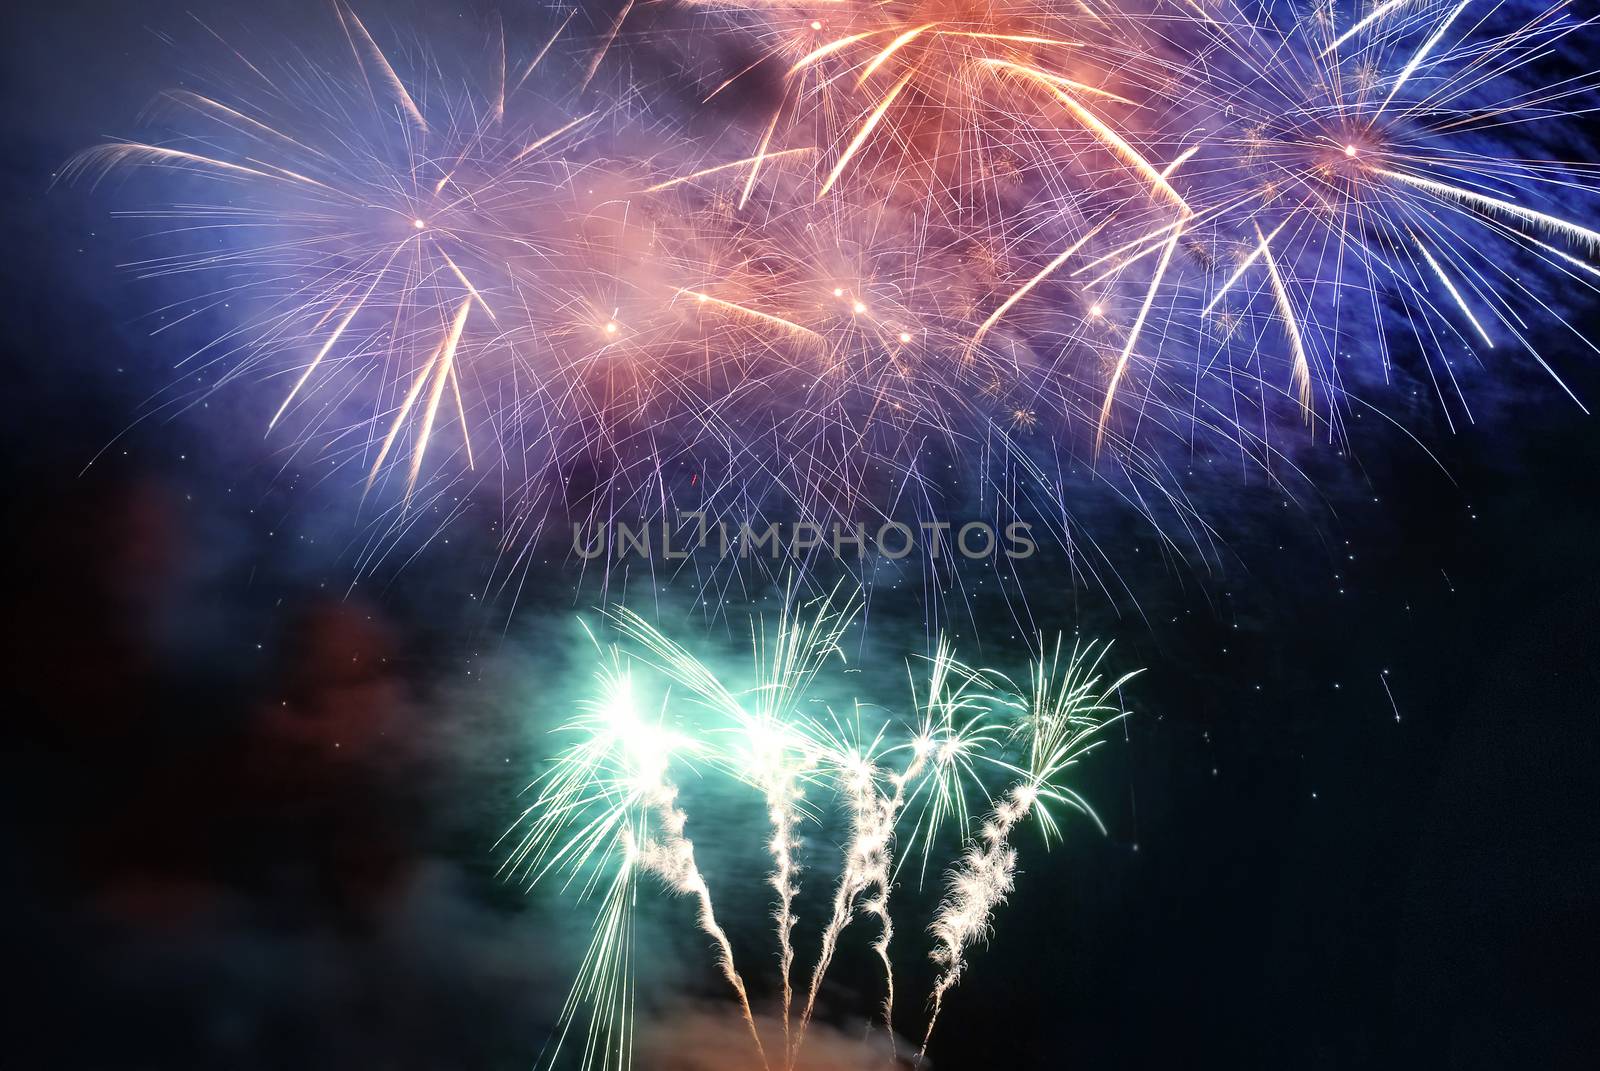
(249, 810)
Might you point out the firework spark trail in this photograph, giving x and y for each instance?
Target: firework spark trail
(1022, 291)
(978, 884)
(1378, 13)
(866, 862)
(1066, 710)
(1300, 377)
(782, 813)
(671, 858)
(1585, 237)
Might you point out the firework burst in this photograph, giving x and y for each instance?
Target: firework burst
(368, 227)
(1371, 180)
(606, 813)
(973, 249)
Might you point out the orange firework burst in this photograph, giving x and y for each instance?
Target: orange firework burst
(914, 84)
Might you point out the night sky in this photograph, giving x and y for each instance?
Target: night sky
(252, 793)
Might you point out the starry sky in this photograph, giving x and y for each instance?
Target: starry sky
(253, 797)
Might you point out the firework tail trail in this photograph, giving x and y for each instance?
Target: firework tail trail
(1062, 719)
(980, 882)
(872, 820)
(796, 657)
(612, 793)
(843, 906)
(940, 750)
(940, 706)
(878, 903)
(781, 812)
(778, 786)
(671, 858)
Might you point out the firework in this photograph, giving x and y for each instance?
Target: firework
(606, 811)
(1066, 710)
(382, 237)
(911, 86)
(1375, 168)
(943, 257)
(970, 250)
